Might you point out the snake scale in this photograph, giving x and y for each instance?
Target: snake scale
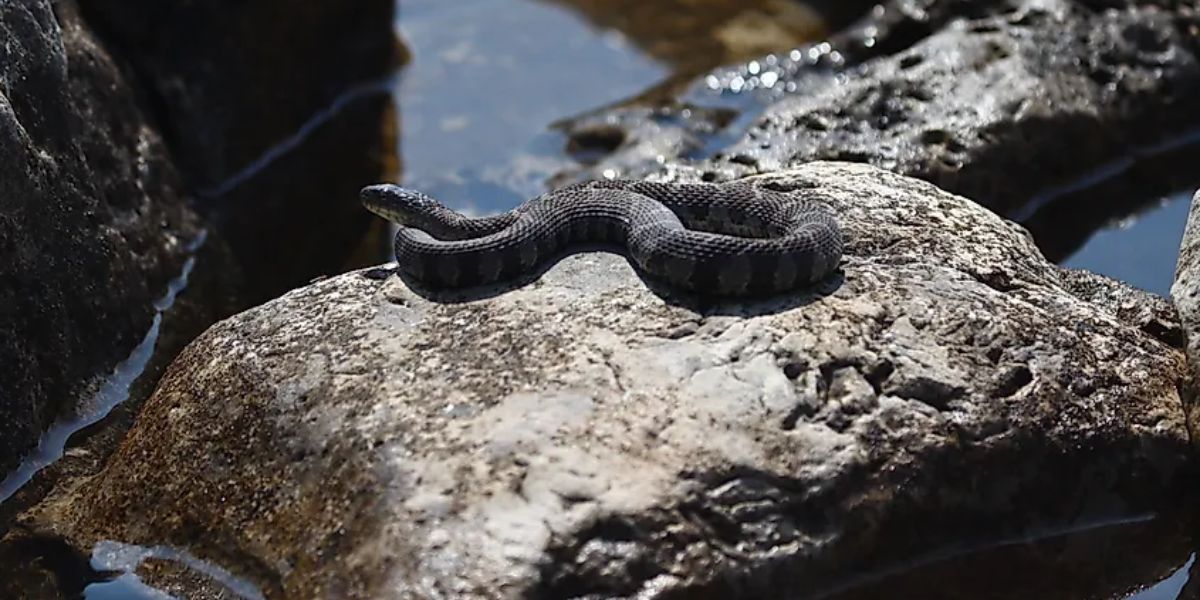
(725, 239)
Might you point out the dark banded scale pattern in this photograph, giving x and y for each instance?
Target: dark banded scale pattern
(722, 239)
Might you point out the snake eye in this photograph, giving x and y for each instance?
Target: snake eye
(382, 200)
(372, 193)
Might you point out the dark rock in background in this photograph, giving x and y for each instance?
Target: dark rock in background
(93, 222)
(95, 211)
(1010, 103)
(232, 83)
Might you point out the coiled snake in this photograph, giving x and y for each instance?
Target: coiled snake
(722, 239)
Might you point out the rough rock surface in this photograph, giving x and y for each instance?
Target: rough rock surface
(277, 113)
(93, 220)
(1185, 294)
(1004, 102)
(585, 436)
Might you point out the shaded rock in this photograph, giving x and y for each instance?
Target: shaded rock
(585, 436)
(998, 108)
(93, 223)
(1078, 564)
(277, 113)
(1185, 294)
(51, 568)
(1012, 104)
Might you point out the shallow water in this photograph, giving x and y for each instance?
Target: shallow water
(126, 558)
(489, 77)
(1140, 558)
(1169, 588)
(528, 63)
(1140, 250)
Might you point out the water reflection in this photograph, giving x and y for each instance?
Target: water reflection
(694, 40)
(126, 559)
(489, 77)
(1136, 560)
(486, 78)
(1139, 250)
(1171, 588)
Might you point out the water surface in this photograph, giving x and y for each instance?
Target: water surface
(1139, 250)
(488, 78)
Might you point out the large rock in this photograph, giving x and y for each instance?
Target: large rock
(1014, 104)
(1185, 294)
(998, 108)
(277, 113)
(93, 223)
(585, 436)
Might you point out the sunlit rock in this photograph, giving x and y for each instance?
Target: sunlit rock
(584, 435)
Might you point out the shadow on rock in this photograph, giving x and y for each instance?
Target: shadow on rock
(708, 305)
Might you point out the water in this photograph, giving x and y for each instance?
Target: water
(529, 64)
(302, 133)
(1139, 558)
(1169, 588)
(125, 587)
(488, 78)
(1141, 250)
(126, 558)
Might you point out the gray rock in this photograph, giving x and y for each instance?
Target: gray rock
(1010, 103)
(93, 223)
(1185, 294)
(586, 436)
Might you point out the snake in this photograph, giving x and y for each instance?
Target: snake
(723, 239)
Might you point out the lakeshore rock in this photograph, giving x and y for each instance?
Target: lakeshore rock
(1012, 103)
(93, 223)
(277, 113)
(1185, 294)
(586, 436)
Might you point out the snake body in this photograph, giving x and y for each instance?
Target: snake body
(721, 239)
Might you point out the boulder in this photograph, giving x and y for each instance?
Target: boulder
(1185, 294)
(1016, 104)
(584, 434)
(94, 226)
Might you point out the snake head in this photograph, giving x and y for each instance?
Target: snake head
(396, 204)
